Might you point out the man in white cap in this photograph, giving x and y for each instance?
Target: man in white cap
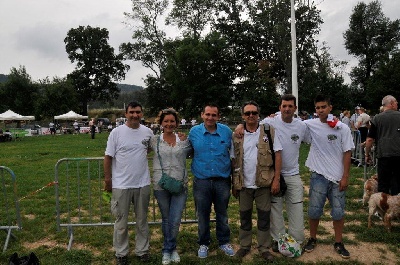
(353, 118)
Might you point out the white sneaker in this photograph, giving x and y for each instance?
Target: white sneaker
(203, 252)
(166, 258)
(175, 257)
(227, 249)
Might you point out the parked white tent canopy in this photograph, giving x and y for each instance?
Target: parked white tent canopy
(10, 115)
(71, 115)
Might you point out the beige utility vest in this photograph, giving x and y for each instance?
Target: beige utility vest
(265, 164)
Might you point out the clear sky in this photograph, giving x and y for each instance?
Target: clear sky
(33, 31)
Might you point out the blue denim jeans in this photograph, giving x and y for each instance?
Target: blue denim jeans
(210, 191)
(171, 208)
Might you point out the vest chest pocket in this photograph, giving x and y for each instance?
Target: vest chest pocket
(264, 155)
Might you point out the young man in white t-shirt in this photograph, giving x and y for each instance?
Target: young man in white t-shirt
(127, 175)
(329, 161)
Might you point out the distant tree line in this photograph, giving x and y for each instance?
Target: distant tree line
(47, 98)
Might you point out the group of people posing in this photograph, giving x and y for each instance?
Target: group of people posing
(248, 164)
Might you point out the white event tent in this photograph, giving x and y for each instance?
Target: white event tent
(10, 115)
(71, 115)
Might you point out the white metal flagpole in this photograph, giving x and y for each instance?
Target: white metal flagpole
(295, 89)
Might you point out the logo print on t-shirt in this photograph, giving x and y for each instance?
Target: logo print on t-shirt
(332, 137)
(294, 138)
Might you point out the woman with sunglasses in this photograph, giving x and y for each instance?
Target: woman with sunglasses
(170, 152)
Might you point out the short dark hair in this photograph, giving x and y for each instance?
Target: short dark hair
(250, 102)
(322, 98)
(212, 105)
(288, 97)
(165, 112)
(133, 104)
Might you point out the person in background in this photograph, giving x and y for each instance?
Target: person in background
(363, 123)
(329, 161)
(250, 181)
(346, 118)
(100, 126)
(303, 115)
(76, 127)
(92, 128)
(193, 122)
(52, 128)
(127, 175)
(385, 132)
(211, 167)
(353, 118)
(170, 152)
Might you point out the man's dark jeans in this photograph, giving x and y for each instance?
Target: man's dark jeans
(217, 191)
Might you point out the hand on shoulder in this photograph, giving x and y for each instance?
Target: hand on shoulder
(182, 136)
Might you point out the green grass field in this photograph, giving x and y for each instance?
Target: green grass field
(33, 161)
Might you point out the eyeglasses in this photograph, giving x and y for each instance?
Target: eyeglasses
(254, 113)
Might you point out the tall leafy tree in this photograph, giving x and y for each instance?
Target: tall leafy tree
(326, 77)
(385, 81)
(57, 97)
(198, 72)
(97, 66)
(260, 30)
(148, 37)
(371, 38)
(192, 15)
(20, 93)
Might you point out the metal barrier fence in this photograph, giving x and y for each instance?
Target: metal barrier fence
(357, 156)
(79, 203)
(10, 216)
(357, 152)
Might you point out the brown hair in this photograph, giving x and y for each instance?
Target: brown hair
(164, 112)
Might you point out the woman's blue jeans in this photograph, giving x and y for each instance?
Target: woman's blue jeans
(171, 207)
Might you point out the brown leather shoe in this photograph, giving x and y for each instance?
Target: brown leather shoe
(242, 252)
(267, 256)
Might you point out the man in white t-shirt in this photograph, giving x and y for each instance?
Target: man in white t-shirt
(127, 175)
(363, 124)
(354, 117)
(183, 121)
(329, 161)
(76, 126)
(193, 122)
(290, 132)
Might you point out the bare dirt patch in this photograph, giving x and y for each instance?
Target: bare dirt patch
(43, 242)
